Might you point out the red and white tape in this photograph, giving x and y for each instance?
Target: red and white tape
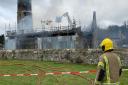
(52, 73)
(73, 73)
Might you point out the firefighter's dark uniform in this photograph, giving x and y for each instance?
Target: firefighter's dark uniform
(109, 65)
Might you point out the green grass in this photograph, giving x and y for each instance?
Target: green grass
(19, 67)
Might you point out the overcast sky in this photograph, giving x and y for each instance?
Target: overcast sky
(108, 11)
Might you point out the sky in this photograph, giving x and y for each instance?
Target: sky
(108, 11)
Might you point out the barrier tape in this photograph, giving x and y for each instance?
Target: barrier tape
(125, 69)
(54, 73)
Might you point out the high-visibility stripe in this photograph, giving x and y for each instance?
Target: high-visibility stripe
(101, 64)
(107, 69)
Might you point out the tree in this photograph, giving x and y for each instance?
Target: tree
(2, 39)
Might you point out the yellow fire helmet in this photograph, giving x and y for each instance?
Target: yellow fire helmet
(107, 43)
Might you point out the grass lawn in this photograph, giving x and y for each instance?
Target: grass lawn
(19, 67)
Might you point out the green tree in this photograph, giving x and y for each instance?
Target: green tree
(2, 39)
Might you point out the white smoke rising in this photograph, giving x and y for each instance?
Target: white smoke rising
(107, 10)
(114, 11)
(25, 24)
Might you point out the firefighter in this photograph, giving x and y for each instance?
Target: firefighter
(109, 66)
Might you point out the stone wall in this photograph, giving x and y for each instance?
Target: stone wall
(86, 56)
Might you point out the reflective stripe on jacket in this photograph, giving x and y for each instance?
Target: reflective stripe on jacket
(111, 63)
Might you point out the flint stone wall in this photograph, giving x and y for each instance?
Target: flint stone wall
(86, 56)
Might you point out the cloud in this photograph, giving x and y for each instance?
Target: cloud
(108, 11)
(7, 14)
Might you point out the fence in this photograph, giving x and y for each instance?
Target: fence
(86, 56)
(43, 73)
(47, 73)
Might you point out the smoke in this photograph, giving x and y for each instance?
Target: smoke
(46, 10)
(10, 44)
(108, 11)
(25, 24)
(7, 15)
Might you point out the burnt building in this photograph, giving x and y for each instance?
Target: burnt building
(24, 16)
(60, 37)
